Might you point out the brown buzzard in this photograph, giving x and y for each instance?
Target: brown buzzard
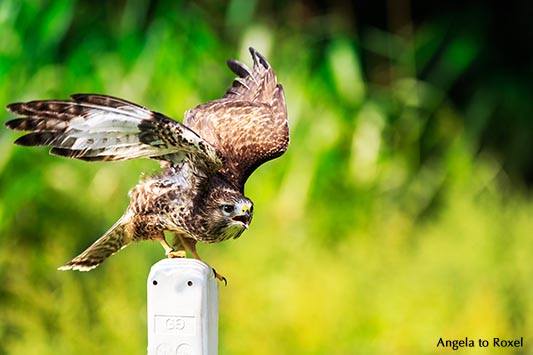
(199, 195)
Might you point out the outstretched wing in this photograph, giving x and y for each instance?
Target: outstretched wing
(249, 123)
(104, 128)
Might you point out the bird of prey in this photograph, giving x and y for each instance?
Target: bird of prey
(199, 194)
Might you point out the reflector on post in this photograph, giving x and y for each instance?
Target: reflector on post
(182, 308)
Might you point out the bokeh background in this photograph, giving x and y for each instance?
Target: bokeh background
(401, 213)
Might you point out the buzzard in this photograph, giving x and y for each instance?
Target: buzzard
(199, 194)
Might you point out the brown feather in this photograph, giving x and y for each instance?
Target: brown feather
(249, 124)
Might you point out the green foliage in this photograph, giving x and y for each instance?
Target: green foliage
(386, 226)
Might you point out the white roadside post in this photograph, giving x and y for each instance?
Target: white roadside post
(182, 308)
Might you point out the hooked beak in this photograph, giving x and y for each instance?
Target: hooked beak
(244, 217)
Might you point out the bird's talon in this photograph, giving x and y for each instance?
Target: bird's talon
(177, 254)
(220, 277)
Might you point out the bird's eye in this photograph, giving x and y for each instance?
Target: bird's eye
(227, 208)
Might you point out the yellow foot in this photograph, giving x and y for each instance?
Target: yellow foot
(220, 277)
(177, 254)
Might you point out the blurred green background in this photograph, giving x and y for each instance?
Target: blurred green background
(401, 213)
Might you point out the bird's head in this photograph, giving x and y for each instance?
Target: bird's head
(230, 215)
(238, 212)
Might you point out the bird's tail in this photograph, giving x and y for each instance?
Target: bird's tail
(115, 239)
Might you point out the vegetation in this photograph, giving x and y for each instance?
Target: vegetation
(401, 213)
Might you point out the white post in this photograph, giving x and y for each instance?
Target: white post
(182, 308)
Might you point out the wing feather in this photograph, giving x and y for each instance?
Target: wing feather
(234, 135)
(249, 123)
(104, 128)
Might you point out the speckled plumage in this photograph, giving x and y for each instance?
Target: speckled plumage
(199, 194)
